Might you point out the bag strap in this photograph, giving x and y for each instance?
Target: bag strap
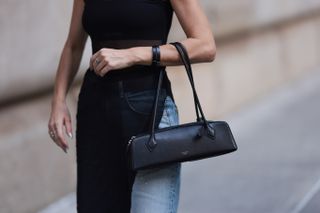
(186, 61)
(151, 143)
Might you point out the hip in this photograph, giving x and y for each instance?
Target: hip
(127, 102)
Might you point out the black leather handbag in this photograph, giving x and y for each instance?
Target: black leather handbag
(179, 143)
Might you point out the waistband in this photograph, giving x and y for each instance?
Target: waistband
(133, 78)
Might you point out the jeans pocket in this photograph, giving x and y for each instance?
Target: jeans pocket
(141, 102)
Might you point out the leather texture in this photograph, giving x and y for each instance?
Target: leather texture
(185, 142)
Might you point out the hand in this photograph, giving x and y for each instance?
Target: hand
(60, 116)
(107, 59)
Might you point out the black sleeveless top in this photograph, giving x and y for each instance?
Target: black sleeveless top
(125, 24)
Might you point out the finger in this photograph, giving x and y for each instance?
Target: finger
(53, 135)
(98, 60)
(52, 132)
(105, 69)
(91, 63)
(93, 59)
(100, 66)
(55, 138)
(67, 123)
(95, 63)
(60, 137)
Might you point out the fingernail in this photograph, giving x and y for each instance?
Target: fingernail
(70, 135)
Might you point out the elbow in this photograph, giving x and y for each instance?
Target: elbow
(210, 53)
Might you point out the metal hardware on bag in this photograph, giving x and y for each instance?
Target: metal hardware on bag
(130, 141)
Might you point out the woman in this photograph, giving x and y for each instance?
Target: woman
(116, 96)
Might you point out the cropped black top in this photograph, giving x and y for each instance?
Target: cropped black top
(125, 24)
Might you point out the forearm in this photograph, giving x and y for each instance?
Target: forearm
(198, 52)
(67, 69)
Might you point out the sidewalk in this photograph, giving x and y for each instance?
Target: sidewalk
(276, 168)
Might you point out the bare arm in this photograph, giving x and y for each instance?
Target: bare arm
(200, 42)
(68, 66)
(71, 54)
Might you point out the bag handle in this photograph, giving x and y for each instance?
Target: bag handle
(186, 61)
(189, 72)
(206, 128)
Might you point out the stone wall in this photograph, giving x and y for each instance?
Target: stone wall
(250, 67)
(262, 44)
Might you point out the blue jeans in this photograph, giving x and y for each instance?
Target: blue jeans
(157, 190)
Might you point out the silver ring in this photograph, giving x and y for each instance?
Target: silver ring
(52, 134)
(97, 61)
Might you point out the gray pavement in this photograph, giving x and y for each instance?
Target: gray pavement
(276, 168)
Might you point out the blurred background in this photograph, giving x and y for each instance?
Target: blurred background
(265, 82)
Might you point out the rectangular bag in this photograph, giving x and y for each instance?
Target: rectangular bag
(179, 143)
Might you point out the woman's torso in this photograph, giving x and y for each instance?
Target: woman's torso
(128, 23)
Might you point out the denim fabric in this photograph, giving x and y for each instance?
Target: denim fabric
(156, 190)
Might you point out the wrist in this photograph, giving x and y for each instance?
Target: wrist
(56, 100)
(141, 55)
